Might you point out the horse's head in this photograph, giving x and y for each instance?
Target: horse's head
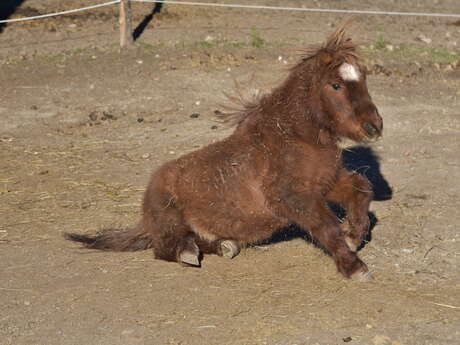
(340, 92)
(347, 104)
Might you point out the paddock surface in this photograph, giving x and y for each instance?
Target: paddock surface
(82, 126)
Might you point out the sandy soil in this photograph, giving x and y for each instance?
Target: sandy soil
(83, 125)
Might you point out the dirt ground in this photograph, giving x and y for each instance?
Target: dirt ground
(82, 126)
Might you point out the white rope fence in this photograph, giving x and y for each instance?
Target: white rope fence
(261, 7)
(281, 8)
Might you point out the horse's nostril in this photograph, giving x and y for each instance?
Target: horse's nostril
(370, 129)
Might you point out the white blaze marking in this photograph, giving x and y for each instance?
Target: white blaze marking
(349, 72)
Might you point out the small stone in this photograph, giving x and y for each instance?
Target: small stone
(146, 155)
(140, 119)
(140, 62)
(214, 127)
(197, 103)
(347, 339)
(424, 39)
(93, 116)
(195, 115)
(108, 116)
(209, 38)
(390, 47)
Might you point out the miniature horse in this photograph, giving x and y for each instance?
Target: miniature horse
(281, 166)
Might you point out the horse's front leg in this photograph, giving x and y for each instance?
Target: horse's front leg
(354, 193)
(312, 214)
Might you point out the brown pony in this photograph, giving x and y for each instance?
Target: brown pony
(281, 166)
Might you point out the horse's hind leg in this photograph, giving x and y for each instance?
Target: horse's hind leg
(172, 238)
(229, 248)
(178, 246)
(226, 248)
(188, 251)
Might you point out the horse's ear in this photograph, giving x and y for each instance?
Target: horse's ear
(324, 57)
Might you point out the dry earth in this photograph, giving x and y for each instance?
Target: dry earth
(82, 126)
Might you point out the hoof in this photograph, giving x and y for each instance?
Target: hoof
(353, 247)
(189, 258)
(229, 248)
(362, 276)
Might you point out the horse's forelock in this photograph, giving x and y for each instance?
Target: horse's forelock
(340, 41)
(338, 49)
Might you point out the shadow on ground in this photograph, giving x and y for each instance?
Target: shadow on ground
(145, 22)
(7, 8)
(366, 162)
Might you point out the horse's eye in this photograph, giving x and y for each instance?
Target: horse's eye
(336, 86)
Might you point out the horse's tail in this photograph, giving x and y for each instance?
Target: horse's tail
(119, 240)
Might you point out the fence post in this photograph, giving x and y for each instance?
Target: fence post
(126, 32)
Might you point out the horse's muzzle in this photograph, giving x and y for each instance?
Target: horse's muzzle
(371, 121)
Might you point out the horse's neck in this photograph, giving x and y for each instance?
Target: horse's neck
(273, 133)
(287, 125)
(286, 115)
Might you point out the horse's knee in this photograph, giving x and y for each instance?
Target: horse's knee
(362, 187)
(355, 233)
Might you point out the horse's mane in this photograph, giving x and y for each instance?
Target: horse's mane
(338, 48)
